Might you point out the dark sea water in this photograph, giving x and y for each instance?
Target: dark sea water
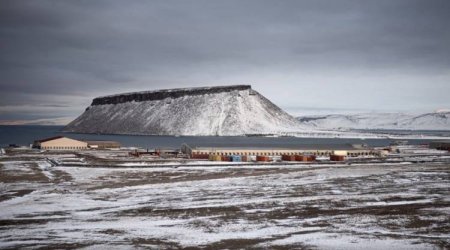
(25, 135)
(443, 133)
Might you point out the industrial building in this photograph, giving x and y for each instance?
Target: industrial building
(60, 143)
(203, 152)
(65, 143)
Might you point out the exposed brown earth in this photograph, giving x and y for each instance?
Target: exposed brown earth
(284, 207)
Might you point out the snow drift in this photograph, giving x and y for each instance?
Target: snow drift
(226, 110)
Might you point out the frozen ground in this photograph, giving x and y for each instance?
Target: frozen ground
(391, 206)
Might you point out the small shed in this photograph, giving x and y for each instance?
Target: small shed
(340, 152)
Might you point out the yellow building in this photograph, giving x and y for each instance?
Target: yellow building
(60, 143)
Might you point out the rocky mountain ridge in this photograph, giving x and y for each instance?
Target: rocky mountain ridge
(209, 111)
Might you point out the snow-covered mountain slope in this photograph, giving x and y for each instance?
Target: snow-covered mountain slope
(428, 121)
(228, 110)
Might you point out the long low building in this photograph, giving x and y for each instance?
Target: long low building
(316, 150)
(65, 143)
(60, 143)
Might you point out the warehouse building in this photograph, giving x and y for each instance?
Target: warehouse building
(60, 143)
(203, 152)
(65, 143)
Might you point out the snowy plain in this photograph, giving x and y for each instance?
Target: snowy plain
(391, 206)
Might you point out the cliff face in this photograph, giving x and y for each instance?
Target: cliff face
(227, 110)
(163, 94)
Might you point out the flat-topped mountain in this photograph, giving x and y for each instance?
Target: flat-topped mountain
(223, 110)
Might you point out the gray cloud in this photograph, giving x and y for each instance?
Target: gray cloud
(374, 55)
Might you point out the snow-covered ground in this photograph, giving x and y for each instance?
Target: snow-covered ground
(383, 206)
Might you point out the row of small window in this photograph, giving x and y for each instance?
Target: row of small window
(269, 153)
(288, 153)
(63, 147)
(360, 153)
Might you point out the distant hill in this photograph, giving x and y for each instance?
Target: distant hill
(47, 121)
(224, 110)
(429, 121)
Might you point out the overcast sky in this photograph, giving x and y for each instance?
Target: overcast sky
(306, 56)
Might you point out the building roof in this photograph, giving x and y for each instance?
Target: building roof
(274, 147)
(56, 138)
(50, 138)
